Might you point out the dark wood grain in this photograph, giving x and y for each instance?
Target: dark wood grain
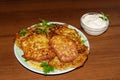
(104, 60)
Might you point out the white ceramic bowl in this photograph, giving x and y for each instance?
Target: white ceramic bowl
(93, 24)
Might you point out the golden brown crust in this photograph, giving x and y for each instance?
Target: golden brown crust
(36, 48)
(79, 61)
(70, 33)
(64, 47)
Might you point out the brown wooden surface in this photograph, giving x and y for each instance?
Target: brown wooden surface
(104, 60)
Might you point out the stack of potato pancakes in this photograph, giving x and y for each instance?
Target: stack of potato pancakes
(58, 45)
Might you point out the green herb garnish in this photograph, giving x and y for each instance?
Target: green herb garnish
(83, 41)
(43, 26)
(23, 32)
(46, 23)
(46, 68)
(104, 17)
(39, 31)
(26, 60)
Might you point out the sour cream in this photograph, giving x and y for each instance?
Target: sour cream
(93, 24)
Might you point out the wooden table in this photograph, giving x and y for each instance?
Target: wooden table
(104, 60)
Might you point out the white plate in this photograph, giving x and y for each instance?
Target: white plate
(18, 53)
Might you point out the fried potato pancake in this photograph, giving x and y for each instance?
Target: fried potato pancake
(77, 62)
(71, 33)
(19, 38)
(36, 48)
(64, 47)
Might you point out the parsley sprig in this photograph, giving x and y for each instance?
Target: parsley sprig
(43, 26)
(23, 32)
(46, 68)
(104, 17)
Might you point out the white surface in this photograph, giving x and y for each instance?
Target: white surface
(93, 21)
(18, 53)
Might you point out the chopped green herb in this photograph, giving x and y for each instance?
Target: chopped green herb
(39, 31)
(44, 64)
(83, 41)
(26, 60)
(43, 25)
(46, 23)
(104, 17)
(23, 32)
(46, 68)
